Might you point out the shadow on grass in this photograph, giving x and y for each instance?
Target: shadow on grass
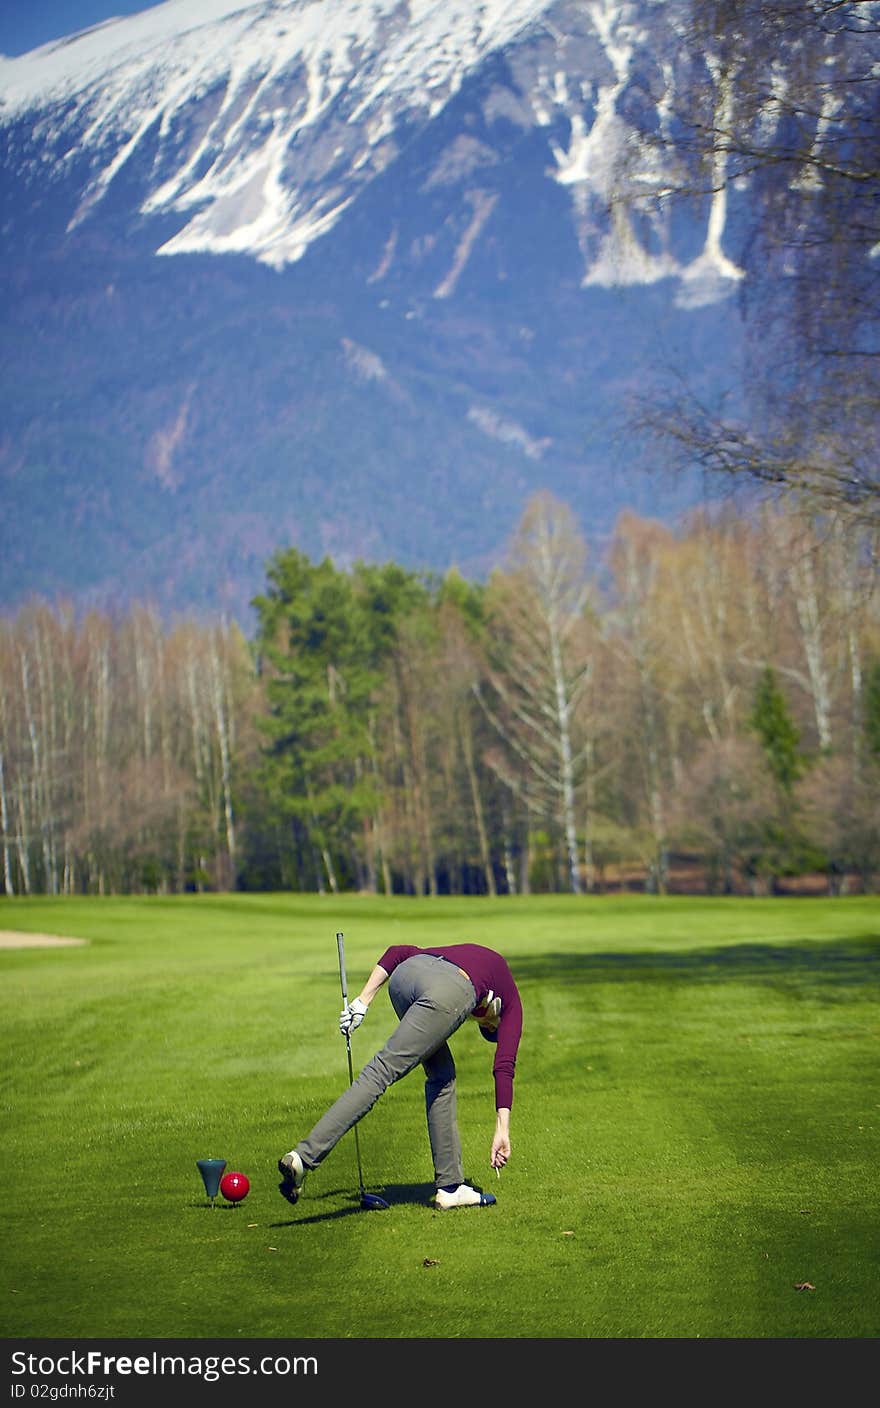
(848, 963)
(395, 1194)
(219, 1206)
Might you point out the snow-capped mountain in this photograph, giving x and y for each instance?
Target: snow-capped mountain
(352, 275)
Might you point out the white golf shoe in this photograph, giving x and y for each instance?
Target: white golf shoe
(463, 1197)
(293, 1173)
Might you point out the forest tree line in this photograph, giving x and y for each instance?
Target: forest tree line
(705, 697)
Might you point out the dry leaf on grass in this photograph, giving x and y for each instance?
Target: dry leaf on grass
(804, 1286)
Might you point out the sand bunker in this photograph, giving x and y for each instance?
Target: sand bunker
(11, 938)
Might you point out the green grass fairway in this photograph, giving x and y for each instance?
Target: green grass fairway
(696, 1127)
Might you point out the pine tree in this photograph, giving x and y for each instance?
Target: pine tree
(872, 711)
(778, 733)
(325, 637)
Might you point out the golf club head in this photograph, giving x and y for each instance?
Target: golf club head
(371, 1202)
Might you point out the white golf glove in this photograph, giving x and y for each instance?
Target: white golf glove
(488, 1014)
(352, 1016)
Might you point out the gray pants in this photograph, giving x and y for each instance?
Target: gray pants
(432, 998)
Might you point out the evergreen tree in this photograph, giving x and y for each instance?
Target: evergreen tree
(324, 637)
(782, 847)
(872, 711)
(777, 731)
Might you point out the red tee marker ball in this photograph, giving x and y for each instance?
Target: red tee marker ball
(234, 1187)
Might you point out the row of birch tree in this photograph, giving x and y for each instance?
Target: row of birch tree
(701, 701)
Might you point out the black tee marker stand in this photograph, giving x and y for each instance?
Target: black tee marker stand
(371, 1202)
(211, 1171)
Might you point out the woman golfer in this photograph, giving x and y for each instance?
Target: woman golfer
(432, 990)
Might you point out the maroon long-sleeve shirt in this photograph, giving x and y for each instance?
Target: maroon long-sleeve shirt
(488, 972)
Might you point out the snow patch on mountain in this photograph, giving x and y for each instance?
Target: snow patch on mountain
(280, 72)
(258, 123)
(509, 432)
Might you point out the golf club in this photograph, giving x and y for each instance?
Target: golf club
(371, 1201)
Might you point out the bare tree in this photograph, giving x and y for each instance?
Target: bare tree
(541, 664)
(462, 663)
(777, 106)
(635, 556)
(411, 691)
(811, 603)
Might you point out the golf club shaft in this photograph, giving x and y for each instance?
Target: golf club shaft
(357, 1145)
(340, 947)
